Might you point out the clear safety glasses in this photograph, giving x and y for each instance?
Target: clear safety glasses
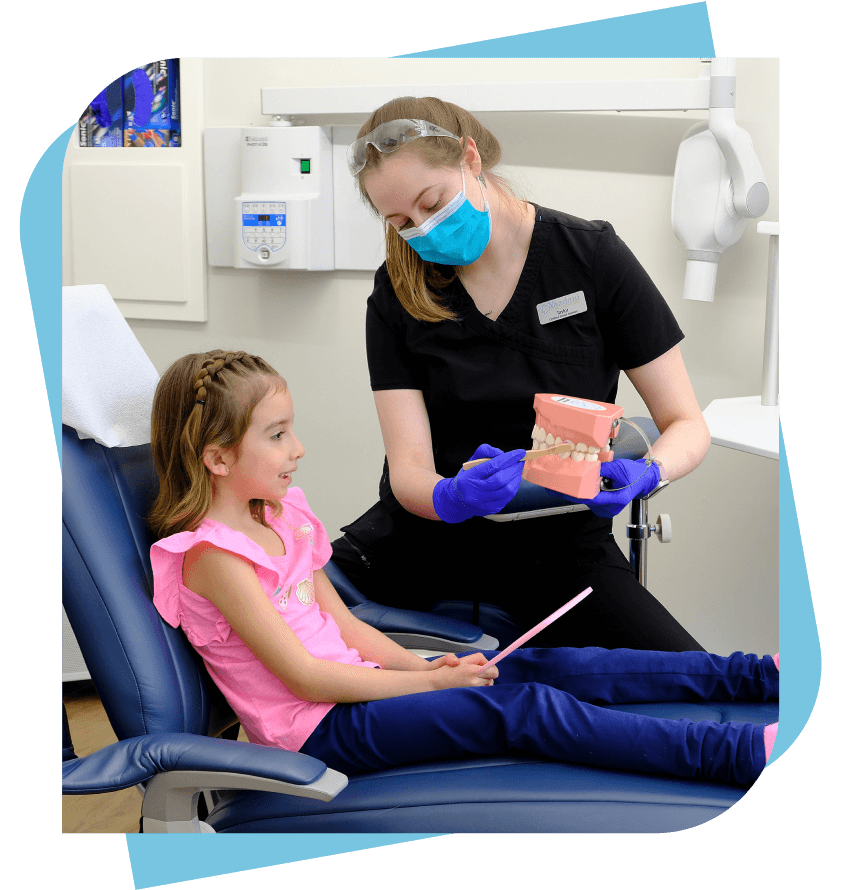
(390, 137)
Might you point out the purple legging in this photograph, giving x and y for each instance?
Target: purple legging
(546, 702)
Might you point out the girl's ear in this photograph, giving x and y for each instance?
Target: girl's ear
(216, 459)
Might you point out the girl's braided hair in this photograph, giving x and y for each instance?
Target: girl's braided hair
(202, 399)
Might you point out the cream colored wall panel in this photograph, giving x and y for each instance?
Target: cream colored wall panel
(128, 230)
(133, 218)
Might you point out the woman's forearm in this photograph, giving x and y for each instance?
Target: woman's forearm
(682, 447)
(406, 437)
(668, 394)
(413, 487)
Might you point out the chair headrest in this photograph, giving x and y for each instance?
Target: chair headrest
(108, 381)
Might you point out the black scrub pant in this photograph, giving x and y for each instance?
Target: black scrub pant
(528, 568)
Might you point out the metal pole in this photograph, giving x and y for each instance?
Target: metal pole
(769, 388)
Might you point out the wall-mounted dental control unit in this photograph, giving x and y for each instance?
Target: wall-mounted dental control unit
(281, 198)
(275, 185)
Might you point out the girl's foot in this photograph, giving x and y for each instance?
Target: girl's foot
(771, 731)
(769, 734)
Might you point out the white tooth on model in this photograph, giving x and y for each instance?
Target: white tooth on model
(542, 440)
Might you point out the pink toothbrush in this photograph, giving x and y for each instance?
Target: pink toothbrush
(539, 627)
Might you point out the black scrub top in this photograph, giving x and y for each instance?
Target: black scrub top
(479, 377)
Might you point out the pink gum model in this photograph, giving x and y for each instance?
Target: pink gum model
(586, 424)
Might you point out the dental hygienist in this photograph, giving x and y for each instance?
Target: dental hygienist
(459, 340)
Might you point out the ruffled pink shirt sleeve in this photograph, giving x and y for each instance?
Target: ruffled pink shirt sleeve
(268, 711)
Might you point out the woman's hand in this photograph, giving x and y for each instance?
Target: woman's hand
(481, 490)
(630, 479)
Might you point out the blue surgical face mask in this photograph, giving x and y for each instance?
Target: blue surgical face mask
(454, 236)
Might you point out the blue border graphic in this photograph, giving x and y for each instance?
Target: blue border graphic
(682, 31)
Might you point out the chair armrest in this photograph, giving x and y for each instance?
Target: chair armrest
(178, 766)
(170, 804)
(410, 629)
(629, 444)
(532, 502)
(424, 629)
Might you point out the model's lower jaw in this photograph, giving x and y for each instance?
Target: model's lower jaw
(541, 440)
(575, 473)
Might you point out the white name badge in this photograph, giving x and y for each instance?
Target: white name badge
(562, 307)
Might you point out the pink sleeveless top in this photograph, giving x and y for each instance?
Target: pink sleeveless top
(268, 711)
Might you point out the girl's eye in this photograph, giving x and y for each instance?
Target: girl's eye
(278, 435)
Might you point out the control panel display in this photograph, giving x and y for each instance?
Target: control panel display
(264, 225)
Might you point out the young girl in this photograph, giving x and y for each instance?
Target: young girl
(239, 568)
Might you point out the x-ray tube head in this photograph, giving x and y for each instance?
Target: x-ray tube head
(703, 213)
(700, 280)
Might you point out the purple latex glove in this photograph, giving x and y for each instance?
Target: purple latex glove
(631, 479)
(481, 490)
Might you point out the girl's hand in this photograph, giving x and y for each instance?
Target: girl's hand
(467, 671)
(450, 660)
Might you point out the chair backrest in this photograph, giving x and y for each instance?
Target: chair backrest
(148, 676)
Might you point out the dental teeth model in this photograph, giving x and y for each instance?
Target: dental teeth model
(587, 425)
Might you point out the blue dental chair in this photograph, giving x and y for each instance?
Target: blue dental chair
(170, 719)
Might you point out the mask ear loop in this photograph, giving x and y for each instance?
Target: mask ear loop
(649, 459)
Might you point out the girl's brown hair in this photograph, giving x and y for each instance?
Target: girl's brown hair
(203, 399)
(412, 277)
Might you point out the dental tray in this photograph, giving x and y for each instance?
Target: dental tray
(587, 425)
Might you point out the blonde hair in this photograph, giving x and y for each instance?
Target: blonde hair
(412, 277)
(203, 399)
